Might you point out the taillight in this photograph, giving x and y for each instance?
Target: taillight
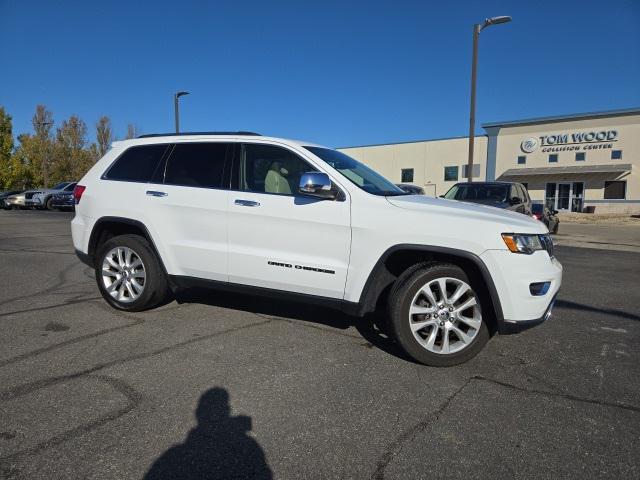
(537, 216)
(77, 193)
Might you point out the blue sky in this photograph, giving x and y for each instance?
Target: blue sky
(338, 73)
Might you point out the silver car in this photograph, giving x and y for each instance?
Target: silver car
(42, 198)
(14, 201)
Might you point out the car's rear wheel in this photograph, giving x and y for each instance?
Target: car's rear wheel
(129, 274)
(436, 315)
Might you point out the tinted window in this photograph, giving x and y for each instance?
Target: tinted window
(615, 190)
(271, 169)
(196, 165)
(407, 175)
(136, 164)
(580, 156)
(522, 159)
(616, 154)
(70, 187)
(553, 158)
(478, 192)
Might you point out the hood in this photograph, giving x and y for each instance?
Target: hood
(510, 221)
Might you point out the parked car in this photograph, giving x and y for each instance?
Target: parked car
(42, 198)
(14, 201)
(159, 214)
(507, 195)
(412, 189)
(5, 195)
(63, 200)
(547, 216)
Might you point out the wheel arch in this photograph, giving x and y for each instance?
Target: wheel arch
(395, 260)
(109, 227)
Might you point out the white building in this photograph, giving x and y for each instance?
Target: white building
(570, 161)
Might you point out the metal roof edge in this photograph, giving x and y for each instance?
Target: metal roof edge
(564, 118)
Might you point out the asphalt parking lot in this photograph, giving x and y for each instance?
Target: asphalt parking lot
(224, 386)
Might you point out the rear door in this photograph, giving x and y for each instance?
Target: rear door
(187, 205)
(279, 239)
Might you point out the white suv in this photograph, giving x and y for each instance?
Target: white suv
(291, 219)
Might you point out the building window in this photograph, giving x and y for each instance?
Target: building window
(580, 156)
(522, 159)
(553, 158)
(450, 174)
(475, 170)
(616, 154)
(615, 190)
(406, 174)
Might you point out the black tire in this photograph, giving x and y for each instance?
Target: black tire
(156, 290)
(48, 205)
(400, 298)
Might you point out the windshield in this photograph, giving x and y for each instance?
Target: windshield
(478, 193)
(357, 173)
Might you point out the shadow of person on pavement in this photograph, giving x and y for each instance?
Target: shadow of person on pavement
(219, 447)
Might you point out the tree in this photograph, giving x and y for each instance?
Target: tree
(104, 135)
(132, 131)
(72, 158)
(6, 148)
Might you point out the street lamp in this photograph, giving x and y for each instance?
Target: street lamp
(45, 174)
(477, 28)
(176, 96)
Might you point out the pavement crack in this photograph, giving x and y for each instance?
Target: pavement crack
(396, 446)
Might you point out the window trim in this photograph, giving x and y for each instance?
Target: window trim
(604, 190)
(457, 167)
(402, 170)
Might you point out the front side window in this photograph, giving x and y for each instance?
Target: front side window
(136, 164)
(407, 175)
(197, 164)
(356, 172)
(615, 190)
(271, 169)
(451, 174)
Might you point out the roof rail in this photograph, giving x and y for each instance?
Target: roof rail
(151, 135)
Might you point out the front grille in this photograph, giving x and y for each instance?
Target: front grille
(547, 243)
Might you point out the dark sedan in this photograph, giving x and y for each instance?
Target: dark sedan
(412, 189)
(507, 195)
(546, 216)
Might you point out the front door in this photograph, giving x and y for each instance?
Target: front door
(279, 239)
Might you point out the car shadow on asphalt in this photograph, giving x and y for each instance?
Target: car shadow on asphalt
(607, 311)
(219, 447)
(371, 327)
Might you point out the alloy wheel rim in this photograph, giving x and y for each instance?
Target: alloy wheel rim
(445, 315)
(123, 274)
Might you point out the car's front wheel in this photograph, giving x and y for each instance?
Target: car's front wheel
(129, 274)
(436, 315)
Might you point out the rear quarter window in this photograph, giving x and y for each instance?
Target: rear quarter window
(136, 164)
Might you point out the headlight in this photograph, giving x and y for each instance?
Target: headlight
(527, 243)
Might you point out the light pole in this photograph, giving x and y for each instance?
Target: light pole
(41, 133)
(477, 28)
(176, 108)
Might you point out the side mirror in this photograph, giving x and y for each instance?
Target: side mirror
(316, 184)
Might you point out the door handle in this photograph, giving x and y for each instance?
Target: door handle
(155, 193)
(247, 203)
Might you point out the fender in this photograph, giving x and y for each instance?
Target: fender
(380, 277)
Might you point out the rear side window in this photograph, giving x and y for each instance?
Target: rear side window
(197, 165)
(136, 164)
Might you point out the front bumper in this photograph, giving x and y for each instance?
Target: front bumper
(513, 274)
